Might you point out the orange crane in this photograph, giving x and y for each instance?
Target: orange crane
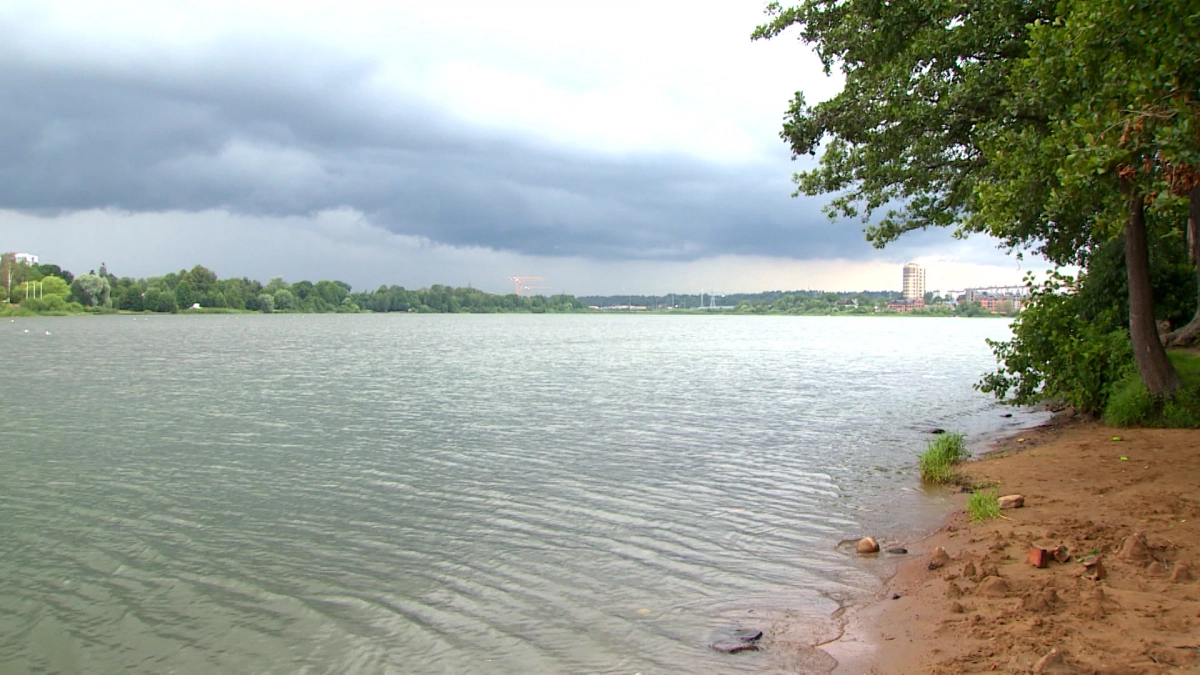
(519, 283)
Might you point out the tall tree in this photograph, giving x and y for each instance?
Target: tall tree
(1118, 80)
(1004, 116)
(926, 83)
(91, 290)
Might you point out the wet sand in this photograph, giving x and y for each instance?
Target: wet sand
(1133, 503)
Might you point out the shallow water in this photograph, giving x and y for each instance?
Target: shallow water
(455, 493)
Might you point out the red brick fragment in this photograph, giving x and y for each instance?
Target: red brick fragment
(1039, 557)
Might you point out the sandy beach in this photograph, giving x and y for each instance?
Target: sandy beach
(1128, 499)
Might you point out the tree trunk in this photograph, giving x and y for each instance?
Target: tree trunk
(1189, 333)
(1153, 365)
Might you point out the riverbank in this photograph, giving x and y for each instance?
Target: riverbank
(1131, 496)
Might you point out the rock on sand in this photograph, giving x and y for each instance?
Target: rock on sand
(867, 545)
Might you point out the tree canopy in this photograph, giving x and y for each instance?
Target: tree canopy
(1051, 125)
(926, 85)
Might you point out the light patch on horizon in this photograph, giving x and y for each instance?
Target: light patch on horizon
(343, 244)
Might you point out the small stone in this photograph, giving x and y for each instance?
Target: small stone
(968, 570)
(988, 570)
(867, 545)
(1051, 662)
(1093, 569)
(1012, 501)
(1181, 574)
(899, 550)
(895, 596)
(957, 608)
(994, 587)
(734, 646)
(1062, 554)
(953, 591)
(1156, 569)
(939, 558)
(1136, 548)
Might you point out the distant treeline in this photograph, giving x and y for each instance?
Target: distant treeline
(48, 288)
(780, 300)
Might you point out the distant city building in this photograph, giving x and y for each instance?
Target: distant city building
(27, 258)
(996, 299)
(914, 281)
(906, 305)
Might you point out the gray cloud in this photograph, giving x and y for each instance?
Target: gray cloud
(288, 129)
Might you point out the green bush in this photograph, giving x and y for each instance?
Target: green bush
(1060, 353)
(33, 304)
(51, 303)
(1132, 405)
(940, 456)
(983, 505)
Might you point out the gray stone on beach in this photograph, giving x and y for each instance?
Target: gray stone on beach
(734, 646)
(738, 640)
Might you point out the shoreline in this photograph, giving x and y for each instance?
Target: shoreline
(987, 610)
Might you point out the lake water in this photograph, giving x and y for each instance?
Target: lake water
(459, 493)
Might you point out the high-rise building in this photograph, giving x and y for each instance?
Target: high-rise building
(914, 281)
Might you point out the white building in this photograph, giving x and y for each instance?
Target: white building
(914, 281)
(27, 258)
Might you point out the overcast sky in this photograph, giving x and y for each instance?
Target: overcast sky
(608, 147)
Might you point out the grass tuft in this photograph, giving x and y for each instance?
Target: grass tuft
(983, 505)
(938, 460)
(1132, 405)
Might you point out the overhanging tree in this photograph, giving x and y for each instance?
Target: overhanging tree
(926, 85)
(948, 118)
(1118, 80)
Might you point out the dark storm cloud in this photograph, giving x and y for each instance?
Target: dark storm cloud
(280, 130)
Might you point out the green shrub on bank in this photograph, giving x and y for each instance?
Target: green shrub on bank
(983, 505)
(1132, 405)
(940, 456)
(1058, 353)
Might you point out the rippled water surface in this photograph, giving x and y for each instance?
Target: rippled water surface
(457, 494)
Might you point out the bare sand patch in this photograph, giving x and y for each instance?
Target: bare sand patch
(1127, 498)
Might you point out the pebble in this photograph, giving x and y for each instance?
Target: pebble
(733, 647)
(939, 558)
(739, 640)
(867, 545)
(1012, 501)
